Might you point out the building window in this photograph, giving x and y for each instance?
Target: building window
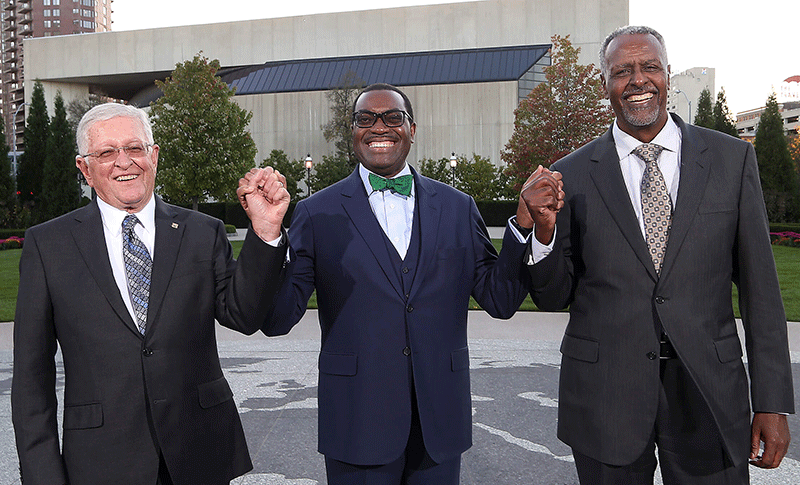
(57, 24)
(56, 2)
(47, 24)
(47, 2)
(47, 13)
(76, 11)
(87, 13)
(56, 12)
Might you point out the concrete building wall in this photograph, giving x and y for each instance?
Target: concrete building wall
(692, 82)
(462, 118)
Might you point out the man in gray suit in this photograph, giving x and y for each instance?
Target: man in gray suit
(642, 233)
(128, 288)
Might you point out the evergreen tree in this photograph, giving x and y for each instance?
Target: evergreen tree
(723, 119)
(705, 110)
(558, 116)
(6, 177)
(778, 178)
(60, 186)
(31, 164)
(202, 132)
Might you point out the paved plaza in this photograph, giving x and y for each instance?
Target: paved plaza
(514, 367)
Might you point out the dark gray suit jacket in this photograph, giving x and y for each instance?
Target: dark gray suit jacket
(600, 266)
(128, 396)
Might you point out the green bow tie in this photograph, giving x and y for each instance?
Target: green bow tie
(401, 184)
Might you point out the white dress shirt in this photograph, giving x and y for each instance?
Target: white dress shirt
(395, 212)
(112, 229)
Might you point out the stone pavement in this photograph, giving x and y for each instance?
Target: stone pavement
(514, 367)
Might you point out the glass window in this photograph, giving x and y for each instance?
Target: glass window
(56, 2)
(47, 2)
(47, 24)
(47, 13)
(56, 12)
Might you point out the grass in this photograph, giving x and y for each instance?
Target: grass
(787, 260)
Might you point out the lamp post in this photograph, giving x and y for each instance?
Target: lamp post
(14, 129)
(689, 102)
(453, 163)
(309, 164)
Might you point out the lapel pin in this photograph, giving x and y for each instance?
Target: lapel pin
(174, 225)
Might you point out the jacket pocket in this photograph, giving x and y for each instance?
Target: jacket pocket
(338, 364)
(580, 348)
(83, 416)
(214, 392)
(459, 359)
(728, 348)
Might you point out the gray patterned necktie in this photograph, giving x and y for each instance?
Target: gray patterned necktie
(138, 268)
(656, 203)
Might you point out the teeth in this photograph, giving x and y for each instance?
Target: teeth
(640, 97)
(381, 144)
(125, 178)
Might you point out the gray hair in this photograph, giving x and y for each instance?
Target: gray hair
(105, 112)
(630, 30)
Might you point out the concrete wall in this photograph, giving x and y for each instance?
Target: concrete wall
(462, 118)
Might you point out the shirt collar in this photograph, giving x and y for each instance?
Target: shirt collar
(363, 172)
(113, 217)
(669, 137)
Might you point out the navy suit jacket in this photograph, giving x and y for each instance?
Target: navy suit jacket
(601, 268)
(129, 396)
(367, 320)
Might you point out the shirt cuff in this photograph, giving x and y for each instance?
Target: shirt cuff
(540, 251)
(516, 232)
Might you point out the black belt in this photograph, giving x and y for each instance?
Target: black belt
(667, 350)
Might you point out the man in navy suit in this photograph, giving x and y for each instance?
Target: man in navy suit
(394, 257)
(145, 399)
(642, 232)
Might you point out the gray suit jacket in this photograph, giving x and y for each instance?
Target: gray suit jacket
(128, 397)
(600, 267)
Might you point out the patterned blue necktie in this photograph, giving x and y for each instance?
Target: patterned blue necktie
(656, 203)
(138, 268)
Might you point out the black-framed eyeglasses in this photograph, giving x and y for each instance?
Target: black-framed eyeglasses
(392, 118)
(110, 154)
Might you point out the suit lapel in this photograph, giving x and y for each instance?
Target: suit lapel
(90, 239)
(356, 205)
(429, 214)
(169, 234)
(694, 174)
(607, 176)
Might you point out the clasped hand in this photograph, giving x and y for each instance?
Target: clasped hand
(541, 198)
(262, 193)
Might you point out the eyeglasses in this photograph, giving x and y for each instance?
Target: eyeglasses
(111, 154)
(392, 118)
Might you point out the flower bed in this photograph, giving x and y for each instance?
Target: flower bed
(786, 238)
(13, 242)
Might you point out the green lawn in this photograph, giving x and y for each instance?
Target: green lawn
(787, 261)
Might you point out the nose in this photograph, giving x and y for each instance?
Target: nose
(638, 78)
(123, 160)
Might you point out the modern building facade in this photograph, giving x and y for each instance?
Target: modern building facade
(788, 97)
(464, 66)
(685, 89)
(27, 19)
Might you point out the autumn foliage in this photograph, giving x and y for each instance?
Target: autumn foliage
(558, 116)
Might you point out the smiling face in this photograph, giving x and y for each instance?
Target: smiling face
(636, 83)
(124, 183)
(380, 149)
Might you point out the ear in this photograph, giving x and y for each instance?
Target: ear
(83, 166)
(154, 156)
(411, 131)
(605, 88)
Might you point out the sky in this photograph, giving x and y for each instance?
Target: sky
(752, 45)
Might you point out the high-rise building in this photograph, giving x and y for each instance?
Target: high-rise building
(22, 19)
(685, 89)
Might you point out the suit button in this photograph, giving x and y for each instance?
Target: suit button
(406, 351)
(660, 299)
(409, 308)
(405, 270)
(651, 355)
(147, 352)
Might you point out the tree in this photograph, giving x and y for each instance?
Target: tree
(61, 190)
(6, 177)
(558, 116)
(293, 170)
(778, 178)
(205, 145)
(477, 176)
(723, 119)
(332, 169)
(78, 107)
(794, 149)
(339, 128)
(31, 164)
(705, 110)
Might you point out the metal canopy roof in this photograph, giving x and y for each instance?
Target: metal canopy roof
(410, 69)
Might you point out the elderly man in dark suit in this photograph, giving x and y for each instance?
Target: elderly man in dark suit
(642, 232)
(394, 257)
(129, 287)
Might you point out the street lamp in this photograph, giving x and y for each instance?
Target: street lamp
(309, 164)
(689, 102)
(14, 129)
(453, 163)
